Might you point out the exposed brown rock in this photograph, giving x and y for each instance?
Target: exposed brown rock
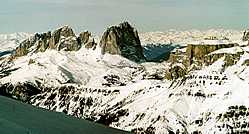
(122, 40)
(64, 38)
(198, 52)
(43, 41)
(195, 57)
(84, 37)
(246, 62)
(86, 40)
(40, 40)
(68, 44)
(230, 59)
(61, 39)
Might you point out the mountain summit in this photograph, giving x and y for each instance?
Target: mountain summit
(117, 40)
(122, 40)
(62, 38)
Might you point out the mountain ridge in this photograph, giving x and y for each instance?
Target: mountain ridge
(148, 97)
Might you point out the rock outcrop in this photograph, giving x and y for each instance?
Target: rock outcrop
(19, 91)
(197, 52)
(61, 39)
(231, 56)
(175, 72)
(64, 38)
(246, 35)
(122, 40)
(86, 40)
(38, 42)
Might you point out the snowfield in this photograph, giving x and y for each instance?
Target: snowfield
(84, 67)
(114, 91)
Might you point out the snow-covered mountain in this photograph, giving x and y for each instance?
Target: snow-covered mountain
(9, 42)
(201, 87)
(184, 37)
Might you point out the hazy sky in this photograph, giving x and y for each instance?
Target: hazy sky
(146, 15)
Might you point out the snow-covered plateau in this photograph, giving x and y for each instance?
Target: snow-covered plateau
(199, 95)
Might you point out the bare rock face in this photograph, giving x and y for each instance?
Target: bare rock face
(196, 55)
(19, 91)
(198, 52)
(61, 39)
(246, 35)
(122, 40)
(230, 58)
(68, 44)
(86, 40)
(41, 40)
(64, 38)
(175, 72)
(84, 37)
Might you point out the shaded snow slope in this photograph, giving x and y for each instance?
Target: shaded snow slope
(19, 118)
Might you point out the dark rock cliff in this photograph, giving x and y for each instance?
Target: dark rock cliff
(61, 39)
(122, 40)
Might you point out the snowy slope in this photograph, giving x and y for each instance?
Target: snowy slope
(161, 106)
(16, 119)
(83, 67)
(114, 91)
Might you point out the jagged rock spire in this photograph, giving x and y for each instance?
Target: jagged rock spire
(86, 40)
(60, 34)
(62, 38)
(122, 40)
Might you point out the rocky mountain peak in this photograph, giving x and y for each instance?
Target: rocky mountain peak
(195, 91)
(64, 31)
(85, 39)
(122, 40)
(64, 38)
(61, 39)
(126, 25)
